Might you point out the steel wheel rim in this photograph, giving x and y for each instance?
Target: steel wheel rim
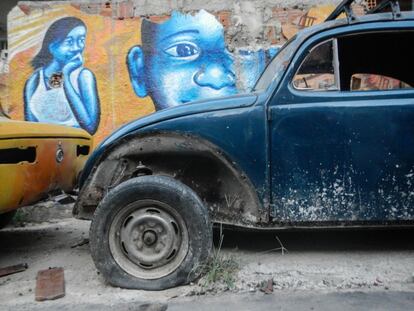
(148, 239)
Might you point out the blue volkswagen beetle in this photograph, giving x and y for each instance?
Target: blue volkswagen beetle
(326, 139)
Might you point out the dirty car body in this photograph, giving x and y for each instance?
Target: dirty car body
(37, 158)
(326, 139)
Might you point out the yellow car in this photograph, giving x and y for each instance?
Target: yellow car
(36, 158)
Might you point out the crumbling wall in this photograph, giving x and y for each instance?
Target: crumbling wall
(97, 65)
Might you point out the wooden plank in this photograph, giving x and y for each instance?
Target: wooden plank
(50, 284)
(13, 269)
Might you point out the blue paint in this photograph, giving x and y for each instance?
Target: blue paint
(61, 90)
(252, 64)
(181, 60)
(294, 146)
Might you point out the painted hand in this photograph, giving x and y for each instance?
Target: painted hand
(74, 64)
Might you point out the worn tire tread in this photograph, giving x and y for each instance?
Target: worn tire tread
(178, 195)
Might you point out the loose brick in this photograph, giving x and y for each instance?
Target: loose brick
(13, 269)
(50, 284)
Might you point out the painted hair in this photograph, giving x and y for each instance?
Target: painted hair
(148, 30)
(57, 32)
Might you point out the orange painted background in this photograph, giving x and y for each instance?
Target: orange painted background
(107, 43)
(111, 32)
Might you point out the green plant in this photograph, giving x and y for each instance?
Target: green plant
(19, 217)
(219, 269)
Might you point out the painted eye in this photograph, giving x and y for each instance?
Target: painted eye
(185, 50)
(68, 41)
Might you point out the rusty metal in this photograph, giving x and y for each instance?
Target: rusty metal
(44, 153)
(50, 284)
(225, 189)
(13, 269)
(343, 7)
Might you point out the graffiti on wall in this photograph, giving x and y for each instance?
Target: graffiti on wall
(97, 72)
(182, 60)
(61, 90)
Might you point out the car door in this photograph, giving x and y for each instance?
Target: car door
(339, 151)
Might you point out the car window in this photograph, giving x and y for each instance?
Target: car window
(317, 72)
(376, 61)
(370, 82)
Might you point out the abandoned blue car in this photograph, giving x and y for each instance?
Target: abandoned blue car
(326, 139)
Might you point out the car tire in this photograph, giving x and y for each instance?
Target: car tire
(6, 218)
(152, 233)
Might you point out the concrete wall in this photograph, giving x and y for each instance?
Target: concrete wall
(97, 65)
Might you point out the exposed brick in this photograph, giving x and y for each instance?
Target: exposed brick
(158, 18)
(106, 9)
(272, 35)
(25, 8)
(125, 10)
(224, 17)
(280, 14)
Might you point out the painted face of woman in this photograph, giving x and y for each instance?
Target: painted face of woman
(71, 47)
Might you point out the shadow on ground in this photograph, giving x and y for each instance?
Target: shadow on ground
(319, 240)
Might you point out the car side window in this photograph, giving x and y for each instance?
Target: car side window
(376, 61)
(318, 71)
(370, 82)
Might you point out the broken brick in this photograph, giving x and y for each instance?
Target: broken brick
(50, 284)
(13, 269)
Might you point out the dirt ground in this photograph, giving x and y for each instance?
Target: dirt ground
(376, 263)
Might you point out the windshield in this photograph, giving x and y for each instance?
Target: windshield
(276, 67)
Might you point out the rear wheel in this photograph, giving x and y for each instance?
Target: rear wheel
(150, 232)
(6, 218)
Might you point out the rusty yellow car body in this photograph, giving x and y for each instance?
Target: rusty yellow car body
(36, 158)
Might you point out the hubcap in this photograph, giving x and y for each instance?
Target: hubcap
(148, 239)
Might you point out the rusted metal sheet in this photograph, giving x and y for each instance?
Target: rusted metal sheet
(224, 187)
(13, 269)
(44, 153)
(50, 284)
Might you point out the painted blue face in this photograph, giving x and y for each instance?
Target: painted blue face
(187, 60)
(71, 47)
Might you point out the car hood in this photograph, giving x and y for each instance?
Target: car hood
(236, 101)
(196, 107)
(10, 129)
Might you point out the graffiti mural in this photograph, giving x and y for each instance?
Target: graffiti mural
(61, 90)
(188, 49)
(91, 67)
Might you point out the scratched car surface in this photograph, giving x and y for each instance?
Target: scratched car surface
(36, 158)
(326, 139)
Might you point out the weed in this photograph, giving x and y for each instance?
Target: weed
(219, 269)
(20, 217)
(281, 248)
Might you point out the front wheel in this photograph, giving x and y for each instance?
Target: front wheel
(150, 232)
